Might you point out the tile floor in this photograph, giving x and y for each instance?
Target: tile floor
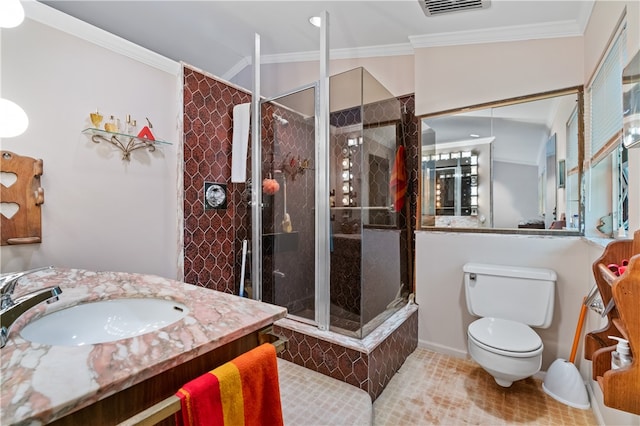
(436, 389)
(311, 398)
(429, 389)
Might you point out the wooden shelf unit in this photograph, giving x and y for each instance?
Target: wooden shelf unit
(621, 388)
(25, 226)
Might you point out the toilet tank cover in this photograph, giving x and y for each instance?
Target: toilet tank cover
(542, 274)
(506, 335)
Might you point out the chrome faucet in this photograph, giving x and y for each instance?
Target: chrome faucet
(11, 310)
(8, 285)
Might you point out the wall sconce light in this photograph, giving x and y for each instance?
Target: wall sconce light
(316, 21)
(11, 13)
(13, 119)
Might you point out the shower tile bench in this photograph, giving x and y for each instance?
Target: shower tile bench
(368, 364)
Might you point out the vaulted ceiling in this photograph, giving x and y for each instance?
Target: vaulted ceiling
(218, 36)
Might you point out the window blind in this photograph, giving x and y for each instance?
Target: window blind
(606, 99)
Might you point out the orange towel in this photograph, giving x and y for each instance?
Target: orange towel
(398, 183)
(244, 391)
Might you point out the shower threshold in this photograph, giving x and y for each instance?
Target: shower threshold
(340, 320)
(345, 322)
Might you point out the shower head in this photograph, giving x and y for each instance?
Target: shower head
(280, 120)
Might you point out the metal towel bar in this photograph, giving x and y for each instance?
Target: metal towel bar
(154, 414)
(171, 405)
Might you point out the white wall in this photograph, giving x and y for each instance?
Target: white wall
(443, 316)
(450, 77)
(100, 212)
(515, 187)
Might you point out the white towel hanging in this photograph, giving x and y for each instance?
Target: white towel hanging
(241, 119)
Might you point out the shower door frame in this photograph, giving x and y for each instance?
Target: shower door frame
(322, 213)
(322, 253)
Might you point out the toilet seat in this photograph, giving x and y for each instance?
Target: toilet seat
(505, 337)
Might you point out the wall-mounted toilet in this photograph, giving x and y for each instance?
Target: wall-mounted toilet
(510, 300)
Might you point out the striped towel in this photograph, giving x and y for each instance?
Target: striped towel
(244, 391)
(398, 183)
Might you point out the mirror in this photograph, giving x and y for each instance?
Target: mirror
(509, 165)
(361, 166)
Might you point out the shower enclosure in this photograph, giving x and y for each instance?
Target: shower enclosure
(368, 249)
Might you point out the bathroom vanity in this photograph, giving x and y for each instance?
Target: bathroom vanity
(106, 383)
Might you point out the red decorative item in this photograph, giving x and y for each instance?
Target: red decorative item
(145, 133)
(398, 184)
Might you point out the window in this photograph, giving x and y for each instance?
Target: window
(606, 101)
(605, 158)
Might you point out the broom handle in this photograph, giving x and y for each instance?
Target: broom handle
(576, 338)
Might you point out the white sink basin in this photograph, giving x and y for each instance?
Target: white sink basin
(104, 321)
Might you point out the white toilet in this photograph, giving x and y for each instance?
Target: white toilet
(510, 300)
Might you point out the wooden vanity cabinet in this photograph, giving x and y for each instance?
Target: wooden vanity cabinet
(128, 402)
(621, 388)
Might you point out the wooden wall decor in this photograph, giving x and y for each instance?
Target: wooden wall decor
(25, 226)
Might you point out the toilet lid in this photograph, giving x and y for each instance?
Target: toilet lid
(505, 335)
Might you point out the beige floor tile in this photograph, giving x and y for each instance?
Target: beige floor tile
(429, 389)
(436, 389)
(313, 399)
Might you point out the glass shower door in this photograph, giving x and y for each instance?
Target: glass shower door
(367, 278)
(288, 196)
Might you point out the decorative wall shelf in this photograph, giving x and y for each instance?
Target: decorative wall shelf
(619, 387)
(126, 143)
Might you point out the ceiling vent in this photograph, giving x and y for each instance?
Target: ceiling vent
(440, 7)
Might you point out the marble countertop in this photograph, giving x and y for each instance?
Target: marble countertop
(41, 383)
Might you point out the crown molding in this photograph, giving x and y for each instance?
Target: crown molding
(557, 29)
(585, 14)
(499, 34)
(516, 162)
(51, 17)
(400, 49)
(352, 53)
(238, 67)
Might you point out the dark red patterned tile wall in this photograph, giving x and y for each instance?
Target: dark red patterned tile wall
(370, 372)
(389, 356)
(345, 274)
(331, 359)
(212, 238)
